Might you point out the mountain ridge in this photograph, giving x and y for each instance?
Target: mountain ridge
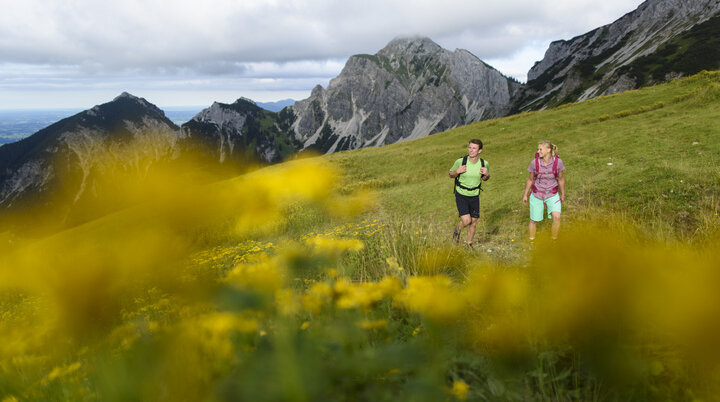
(595, 63)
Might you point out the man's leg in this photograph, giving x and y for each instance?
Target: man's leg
(471, 229)
(464, 221)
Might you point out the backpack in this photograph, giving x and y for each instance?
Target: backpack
(457, 178)
(553, 190)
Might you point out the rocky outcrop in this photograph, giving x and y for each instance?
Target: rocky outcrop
(595, 63)
(409, 89)
(241, 133)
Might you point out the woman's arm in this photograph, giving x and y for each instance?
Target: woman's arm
(528, 186)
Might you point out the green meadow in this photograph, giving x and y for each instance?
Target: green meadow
(334, 278)
(650, 157)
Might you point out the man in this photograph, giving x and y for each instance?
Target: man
(468, 178)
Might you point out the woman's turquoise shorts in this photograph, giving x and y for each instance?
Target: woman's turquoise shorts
(536, 207)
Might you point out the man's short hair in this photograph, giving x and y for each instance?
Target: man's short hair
(476, 141)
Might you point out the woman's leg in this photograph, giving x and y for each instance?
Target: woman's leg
(536, 215)
(532, 228)
(555, 225)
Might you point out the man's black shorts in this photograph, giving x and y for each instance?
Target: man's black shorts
(468, 205)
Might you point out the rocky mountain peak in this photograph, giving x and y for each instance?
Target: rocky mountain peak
(409, 89)
(127, 95)
(243, 99)
(410, 46)
(220, 112)
(123, 108)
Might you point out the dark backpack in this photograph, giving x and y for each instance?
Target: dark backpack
(457, 178)
(554, 190)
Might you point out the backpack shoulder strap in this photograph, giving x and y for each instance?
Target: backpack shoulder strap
(482, 162)
(537, 164)
(457, 178)
(555, 164)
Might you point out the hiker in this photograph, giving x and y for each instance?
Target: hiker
(547, 183)
(469, 172)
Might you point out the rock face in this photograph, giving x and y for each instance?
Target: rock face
(63, 160)
(409, 89)
(612, 58)
(241, 133)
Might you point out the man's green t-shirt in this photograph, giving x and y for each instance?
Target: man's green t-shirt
(471, 178)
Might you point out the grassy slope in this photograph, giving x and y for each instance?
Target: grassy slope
(662, 142)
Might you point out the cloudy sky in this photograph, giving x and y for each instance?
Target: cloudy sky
(79, 53)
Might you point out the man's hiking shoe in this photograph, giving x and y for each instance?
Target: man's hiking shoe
(456, 235)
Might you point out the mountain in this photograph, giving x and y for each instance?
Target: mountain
(409, 89)
(242, 133)
(59, 165)
(660, 40)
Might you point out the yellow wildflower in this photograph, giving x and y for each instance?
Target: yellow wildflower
(460, 389)
(287, 302)
(62, 371)
(264, 276)
(329, 245)
(318, 296)
(393, 264)
(390, 286)
(433, 297)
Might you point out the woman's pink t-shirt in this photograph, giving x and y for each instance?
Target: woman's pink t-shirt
(545, 180)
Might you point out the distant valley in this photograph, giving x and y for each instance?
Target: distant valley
(18, 124)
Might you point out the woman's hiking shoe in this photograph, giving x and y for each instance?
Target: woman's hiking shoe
(470, 246)
(456, 235)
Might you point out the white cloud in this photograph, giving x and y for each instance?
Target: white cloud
(84, 45)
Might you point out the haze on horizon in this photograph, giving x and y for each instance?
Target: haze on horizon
(56, 54)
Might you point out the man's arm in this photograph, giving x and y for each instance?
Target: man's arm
(455, 173)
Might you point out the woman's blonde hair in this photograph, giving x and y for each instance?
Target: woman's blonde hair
(553, 147)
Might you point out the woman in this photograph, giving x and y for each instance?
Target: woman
(547, 183)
